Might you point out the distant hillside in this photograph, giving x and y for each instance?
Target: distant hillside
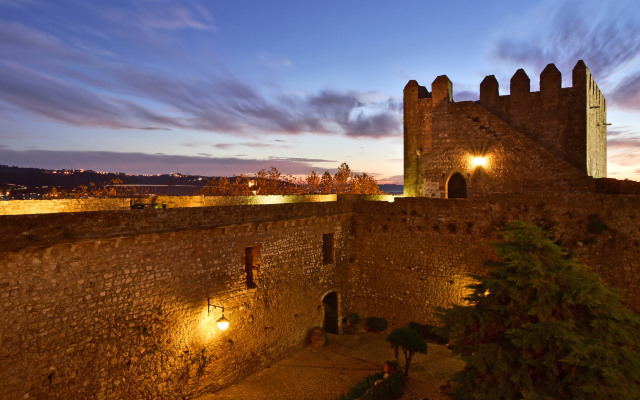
(30, 183)
(37, 181)
(392, 188)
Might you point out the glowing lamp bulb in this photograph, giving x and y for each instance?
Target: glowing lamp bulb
(223, 323)
(479, 161)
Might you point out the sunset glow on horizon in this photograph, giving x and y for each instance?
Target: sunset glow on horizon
(226, 88)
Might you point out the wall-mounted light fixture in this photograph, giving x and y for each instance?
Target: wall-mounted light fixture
(223, 323)
(479, 161)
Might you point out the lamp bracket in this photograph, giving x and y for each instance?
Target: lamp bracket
(213, 306)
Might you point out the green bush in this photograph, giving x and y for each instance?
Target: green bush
(377, 324)
(386, 389)
(540, 326)
(429, 332)
(359, 388)
(355, 318)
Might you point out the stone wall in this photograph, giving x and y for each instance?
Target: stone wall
(569, 122)
(118, 308)
(413, 255)
(521, 134)
(19, 207)
(113, 304)
(464, 130)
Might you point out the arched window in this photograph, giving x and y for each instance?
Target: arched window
(457, 187)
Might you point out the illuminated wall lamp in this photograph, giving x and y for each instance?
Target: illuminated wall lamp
(223, 323)
(479, 161)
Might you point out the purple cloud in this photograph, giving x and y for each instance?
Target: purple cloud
(83, 87)
(62, 101)
(18, 36)
(466, 95)
(224, 146)
(627, 94)
(395, 179)
(158, 16)
(604, 43)
(605, 37)
(298, 159)
(222, 105)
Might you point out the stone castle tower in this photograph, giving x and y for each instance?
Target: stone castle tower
(551, 140)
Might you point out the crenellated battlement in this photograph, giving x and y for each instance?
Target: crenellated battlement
(569, 123)
(550, 84)
(520, 86)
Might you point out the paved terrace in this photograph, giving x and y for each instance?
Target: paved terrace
(327, 372)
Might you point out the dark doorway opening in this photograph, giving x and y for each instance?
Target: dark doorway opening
(330, 306)
(457, 187)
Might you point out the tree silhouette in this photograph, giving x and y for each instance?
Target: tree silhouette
(409, 341)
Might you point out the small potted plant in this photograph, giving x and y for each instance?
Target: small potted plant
(352, 323)
(389, 368)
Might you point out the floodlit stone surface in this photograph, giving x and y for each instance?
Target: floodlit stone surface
(551, 140)
(113, 304)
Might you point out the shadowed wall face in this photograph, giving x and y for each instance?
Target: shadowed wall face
(415, 254)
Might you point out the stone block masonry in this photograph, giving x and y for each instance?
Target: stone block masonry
(113, 304)
(125, 315)
(551, 140)
(415, 254)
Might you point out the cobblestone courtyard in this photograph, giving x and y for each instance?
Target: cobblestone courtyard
(327, 372)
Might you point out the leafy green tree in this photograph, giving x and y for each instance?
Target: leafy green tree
(540, 326)
(409, 341)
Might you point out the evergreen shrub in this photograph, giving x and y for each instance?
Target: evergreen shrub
(540, 326)
(359, 388)
(386, 389)
(429, 332)
(377, 324)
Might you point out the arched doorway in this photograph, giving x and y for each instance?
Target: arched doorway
(457, 187)
(330, 307)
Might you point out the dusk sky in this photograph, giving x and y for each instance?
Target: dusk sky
(230, 87)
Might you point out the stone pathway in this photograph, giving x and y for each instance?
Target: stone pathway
(327, 372)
